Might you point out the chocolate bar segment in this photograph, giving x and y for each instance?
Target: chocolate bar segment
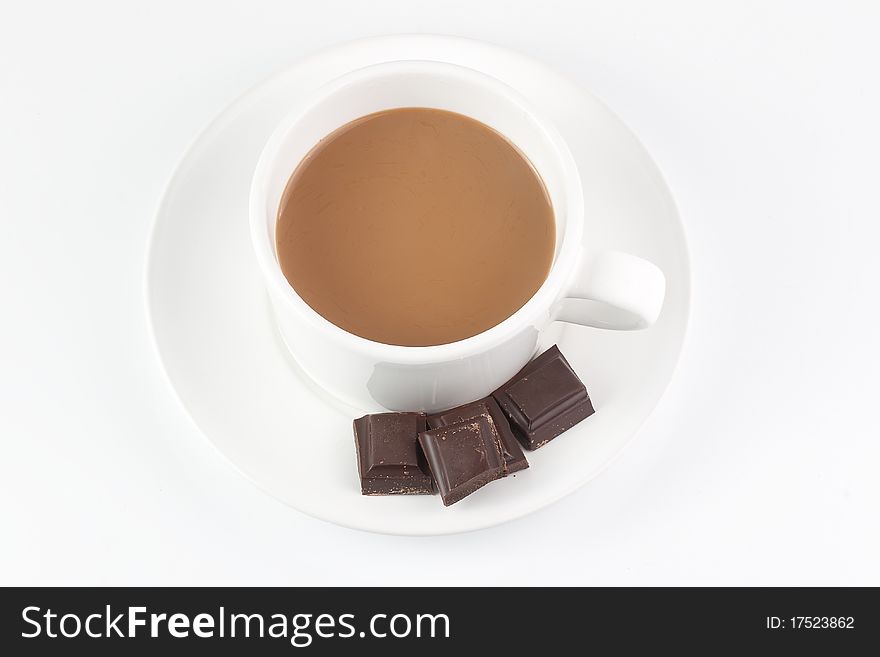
(462, 457)
(511, 452)
(544, 399)
(389, 460)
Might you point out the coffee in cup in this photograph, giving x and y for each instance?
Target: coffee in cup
(415, 227)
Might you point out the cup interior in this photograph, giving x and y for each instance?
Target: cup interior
(435, 85)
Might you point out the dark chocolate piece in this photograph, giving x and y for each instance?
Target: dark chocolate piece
(462, 457)
(389, 460)
(544, 399)
(511, 452)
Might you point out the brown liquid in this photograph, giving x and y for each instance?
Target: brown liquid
(415, 227)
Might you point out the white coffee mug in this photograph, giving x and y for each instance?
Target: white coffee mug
(620, 291)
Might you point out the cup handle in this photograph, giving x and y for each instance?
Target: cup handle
(613, 290)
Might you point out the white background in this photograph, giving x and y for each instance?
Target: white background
(760, 466)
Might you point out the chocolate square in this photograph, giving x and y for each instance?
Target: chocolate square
(462, 457)
(511, 452)
(389, 460)
(544, 399)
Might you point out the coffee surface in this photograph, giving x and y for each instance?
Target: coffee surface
(415, 227)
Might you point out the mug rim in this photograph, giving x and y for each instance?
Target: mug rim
(541, 301)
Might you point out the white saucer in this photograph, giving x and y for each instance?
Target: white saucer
(215, 338)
